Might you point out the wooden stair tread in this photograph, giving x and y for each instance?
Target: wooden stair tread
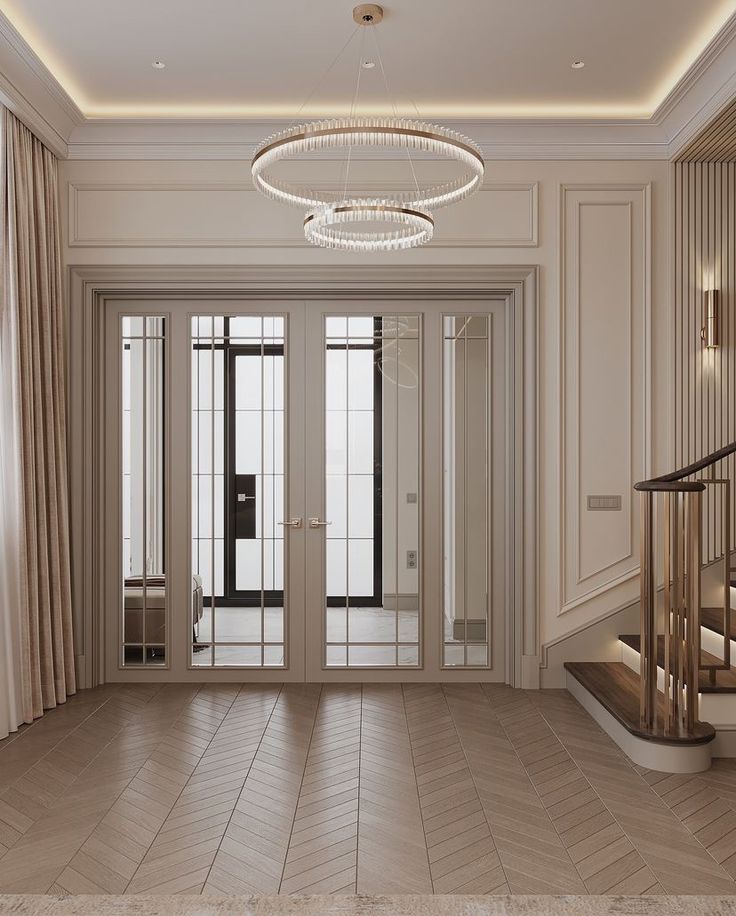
(616, 687)
(726, 677)
(712, 619)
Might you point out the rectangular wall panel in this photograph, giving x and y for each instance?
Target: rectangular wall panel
(604, 371)
(229, 214)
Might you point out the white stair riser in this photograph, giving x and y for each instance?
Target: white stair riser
(666, 758)
(713, 643)
(717, 708)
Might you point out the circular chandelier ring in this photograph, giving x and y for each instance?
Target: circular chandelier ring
(325, 226)
(413, 136)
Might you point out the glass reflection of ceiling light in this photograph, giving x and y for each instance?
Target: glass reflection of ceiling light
(397, 372)
(389, 362)
(355, 222)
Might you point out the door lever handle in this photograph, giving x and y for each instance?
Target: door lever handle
(318, 523)
(292, 523)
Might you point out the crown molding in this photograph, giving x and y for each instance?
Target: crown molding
(498, 139)
(31, 91)
(703, 91)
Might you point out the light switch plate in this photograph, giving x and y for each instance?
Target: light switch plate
(604, 503)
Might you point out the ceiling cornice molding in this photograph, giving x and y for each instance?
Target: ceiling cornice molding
(707, 87)
(33, 93)
(12, 36)
(688, 82)
(498, 139)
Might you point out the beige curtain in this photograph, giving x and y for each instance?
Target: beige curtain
(34, 351)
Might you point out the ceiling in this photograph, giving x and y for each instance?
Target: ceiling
(450, 58)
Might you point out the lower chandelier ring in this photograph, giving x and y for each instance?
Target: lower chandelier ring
(325, 226)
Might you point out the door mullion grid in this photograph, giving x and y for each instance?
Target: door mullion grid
(304, 432)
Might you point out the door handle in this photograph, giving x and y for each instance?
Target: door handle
(318, 523)
(291, 523)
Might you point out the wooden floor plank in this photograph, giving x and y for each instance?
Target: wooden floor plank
(375, 789)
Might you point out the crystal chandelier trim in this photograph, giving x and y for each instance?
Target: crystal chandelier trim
(407, 213)
(325, 226)
(378, 133)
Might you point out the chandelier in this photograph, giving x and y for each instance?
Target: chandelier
(359, 221)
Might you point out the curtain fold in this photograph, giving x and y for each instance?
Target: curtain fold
(36, 592)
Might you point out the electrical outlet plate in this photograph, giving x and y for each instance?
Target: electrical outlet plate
(411, 559)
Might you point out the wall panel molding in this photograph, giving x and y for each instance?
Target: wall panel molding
(605, 370)
(142, 214)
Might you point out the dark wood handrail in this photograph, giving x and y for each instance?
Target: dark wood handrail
(693, 468)
(660, 485)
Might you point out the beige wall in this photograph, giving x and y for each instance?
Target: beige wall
(599, 233)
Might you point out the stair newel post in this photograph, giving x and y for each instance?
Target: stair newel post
(694, 561)
(669, 501)
(648, 620)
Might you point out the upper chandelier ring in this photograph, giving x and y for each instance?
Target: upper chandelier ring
(414, 136)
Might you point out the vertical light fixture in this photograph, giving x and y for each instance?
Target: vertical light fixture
(710, 330)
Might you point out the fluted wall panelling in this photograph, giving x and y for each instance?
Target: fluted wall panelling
(705, 379)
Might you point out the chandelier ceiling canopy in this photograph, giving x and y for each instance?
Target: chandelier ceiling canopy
(344, 217)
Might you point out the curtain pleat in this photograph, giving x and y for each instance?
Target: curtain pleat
(34, 296)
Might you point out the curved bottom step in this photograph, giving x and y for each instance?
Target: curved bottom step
(609, 691)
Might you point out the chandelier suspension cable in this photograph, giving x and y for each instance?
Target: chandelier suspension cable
(353, 106)
(392, 103)
(325, 74)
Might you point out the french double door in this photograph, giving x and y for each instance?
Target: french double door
(305, 490)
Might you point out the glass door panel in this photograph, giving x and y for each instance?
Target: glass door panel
(143, 592)
(466, 425)
(371, 491)
(238, 501)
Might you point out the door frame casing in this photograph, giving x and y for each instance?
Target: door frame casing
(91, 287)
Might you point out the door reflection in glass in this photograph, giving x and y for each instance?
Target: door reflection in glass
(238, 420)
(466, 426)
(144, 593)
(372, 499)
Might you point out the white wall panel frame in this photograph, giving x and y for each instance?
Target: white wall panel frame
(608, 579)
(515, 203)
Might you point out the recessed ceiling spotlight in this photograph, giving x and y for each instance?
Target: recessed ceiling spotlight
(368, 64)
(577, 64)
(158, 64)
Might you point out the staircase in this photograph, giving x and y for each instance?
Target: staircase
(670, 702)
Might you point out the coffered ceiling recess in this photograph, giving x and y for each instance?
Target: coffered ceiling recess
(450, 58)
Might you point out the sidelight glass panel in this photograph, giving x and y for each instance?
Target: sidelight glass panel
(238, 385)
(372, 499)
(144, 594)
(466, 491)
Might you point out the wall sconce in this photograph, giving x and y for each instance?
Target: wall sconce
(710, 330)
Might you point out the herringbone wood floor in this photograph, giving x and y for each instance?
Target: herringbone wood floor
(413, 789)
